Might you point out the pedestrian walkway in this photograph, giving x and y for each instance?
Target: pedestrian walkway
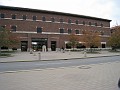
(85, 77)
(26, 56)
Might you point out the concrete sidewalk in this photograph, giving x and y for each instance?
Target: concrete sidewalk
(85, 77)
(26, 56)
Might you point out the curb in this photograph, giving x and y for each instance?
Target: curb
(54, 59)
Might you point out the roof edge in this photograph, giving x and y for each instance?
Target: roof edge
(51, 12)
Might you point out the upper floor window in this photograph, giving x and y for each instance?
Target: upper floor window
(43, 19)
(77, 22)
(95, 24)
(101, 25)
(14, 16)
(2, 15)
(61, 30)
(52, 19)
(61, 20)
(39, 30)
(90, 23)
(34, 18)
(13, 28)
(77, 31)
(69, 21)
(83, 22)
(69, 31)
(24, 17)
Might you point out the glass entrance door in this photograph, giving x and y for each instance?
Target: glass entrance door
(53, 45)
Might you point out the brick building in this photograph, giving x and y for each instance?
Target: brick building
(39, 27)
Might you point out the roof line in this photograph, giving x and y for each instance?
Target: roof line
(50, 12)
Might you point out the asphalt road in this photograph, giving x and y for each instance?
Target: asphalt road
(15, 66)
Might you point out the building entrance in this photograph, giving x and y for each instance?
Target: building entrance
(24, 45)
(37, 43)
(53, 45)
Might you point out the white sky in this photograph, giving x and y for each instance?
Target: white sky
(108, 9)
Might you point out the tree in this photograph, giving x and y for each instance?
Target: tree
(73, 40)
(114, 40)
(91, 39)
(7, 38)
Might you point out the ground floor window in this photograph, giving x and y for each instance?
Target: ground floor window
(37, 43)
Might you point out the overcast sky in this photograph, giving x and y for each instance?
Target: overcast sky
(107, 9)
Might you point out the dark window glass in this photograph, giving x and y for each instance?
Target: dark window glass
(34, 18)
(52, 19)
(69, 21)
(61, 30)
(43, 19)
(95, 24)
(101, 25)
(77, 31)
(61, 20)
(39, 30)
(13, 16)
(13, 28)
(77, 22)
(69, 31)
(90, 23)
(2, 15)
(83, 22)
(24, 17)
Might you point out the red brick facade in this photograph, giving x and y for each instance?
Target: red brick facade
(49, 24)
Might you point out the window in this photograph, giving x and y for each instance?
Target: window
(34, 18)
(43, 19)
(69, 31)
(95, 24)
(13, 28)
(77, 22)
(13, 16)
(61, 20)
(101, 25)
(61, 30)
(77, 32)
(69, 21)
(52, 19)
(24, 17)
(90, 23)
(2, 15)
(39, 30)
(83, 22)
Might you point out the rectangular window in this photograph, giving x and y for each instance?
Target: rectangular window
(13, 28)
(61, 30)
(90, 23)
(69, 21)
(2, 15)
(52, 19)
(34, 18)
(77, 22)
(69, 31)
(77, 32)
(95, 24)
(43, 19)
(13, 16)
(83, 22)
(24, 17)
(61, 20)
(39, 30)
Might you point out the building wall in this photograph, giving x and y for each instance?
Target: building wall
(27, 29)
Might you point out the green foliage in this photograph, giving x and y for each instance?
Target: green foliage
(114, 40)
(7, 39)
